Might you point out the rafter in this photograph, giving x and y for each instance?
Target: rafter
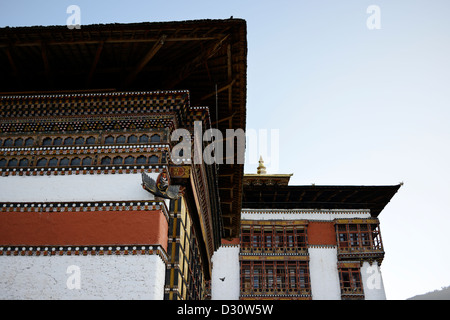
(94, 63)
(44, 53)
(223, 88)
(191, 66)
(146, 59)
(110, 39)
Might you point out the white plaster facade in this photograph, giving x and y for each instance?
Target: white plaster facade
(88, 187)
(82, 277)
(225, 278)
(302, 214)
(372, 281)
(101, 277)
(323, 273)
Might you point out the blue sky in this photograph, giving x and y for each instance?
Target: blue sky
(353, 106)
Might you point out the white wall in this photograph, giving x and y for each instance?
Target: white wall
(302, 214)
(225, 264)
(101, 277)
(89, 187)
(372, 281)
(324, 273)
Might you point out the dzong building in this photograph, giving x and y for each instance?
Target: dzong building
(93, 204)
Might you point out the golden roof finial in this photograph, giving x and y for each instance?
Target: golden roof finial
(261, 167)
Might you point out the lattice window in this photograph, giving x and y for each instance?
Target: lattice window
(68, 141)
(143, 138)
(132, 139)
(87, 161)
(273, 238)
(18, 142)
(350, 281)
(8, 143)
(53, 162)
(141, 160)
(57, 141)
(29, 142)
(109, 140)
(90, 140)
(118, 160)
(129, 160)
(153, 159)
(41, 162)
(75, 161)
(12, 163)
(275, 277)
(79, 140)
(155, 138)
(47, 142)
(64, 162)
(359, 236)
(246, 237)
(121, 139)
(23, 162)
(106, 160)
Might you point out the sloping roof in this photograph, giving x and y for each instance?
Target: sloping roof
(206, 57)
(374, 198)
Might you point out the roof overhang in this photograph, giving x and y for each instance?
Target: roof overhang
(374, 198)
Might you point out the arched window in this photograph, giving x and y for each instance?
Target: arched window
(79, 140)
(18, 142)
(143, 138)
(47, 142)
(90, 140)
(41, 162)
(57, 142)
(109, 140)
(129, 160)
(68, 141)
(141, 160)
(64, 162)
(29, 142)
(106, 160)
(23, 162)
(3, 162)
(132, 139)
(118, 160)
(155, 138)
(120, 139)
(87, 161)
(53, 162)
(75, 161)
(8, 143)
(153, 159)
(12, 163)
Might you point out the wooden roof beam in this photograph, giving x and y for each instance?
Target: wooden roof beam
(13, 65)
(108, 40)
(223, 88)
(94, 63)
(146, 59)
(44, 54)
(191, 66)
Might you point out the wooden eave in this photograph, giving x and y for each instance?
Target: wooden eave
(374, 198)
